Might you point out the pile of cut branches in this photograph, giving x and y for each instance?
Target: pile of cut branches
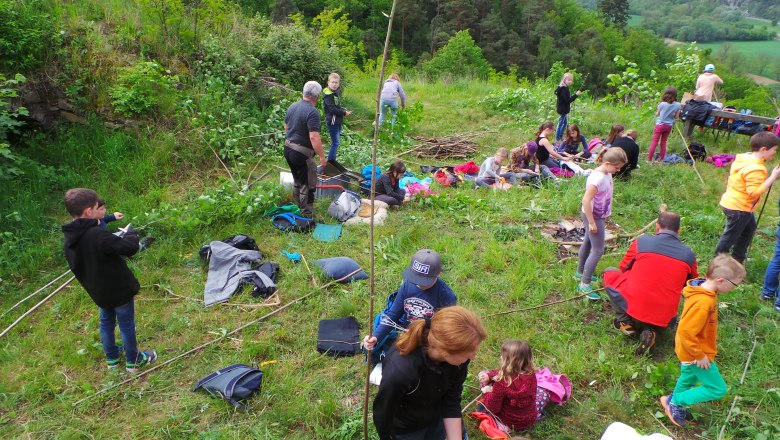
(456, 146)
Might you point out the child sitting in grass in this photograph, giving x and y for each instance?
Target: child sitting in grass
(510, 393)
(696, 340)
(95, 257)
(388, 188)
(490, 171)
(570, 145)
(523, 163)
(596, 208)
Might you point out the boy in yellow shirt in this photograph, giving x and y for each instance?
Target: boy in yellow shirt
(747, 181)
(695, 343)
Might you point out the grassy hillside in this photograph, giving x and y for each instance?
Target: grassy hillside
(494, 257)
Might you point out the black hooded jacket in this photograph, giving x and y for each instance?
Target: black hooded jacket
(95, 257)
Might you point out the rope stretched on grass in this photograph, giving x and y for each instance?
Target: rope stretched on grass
(226, 335)
(542, 305)
(42, 302)
(35, 293)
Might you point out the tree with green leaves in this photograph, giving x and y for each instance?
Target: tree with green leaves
(615, 12)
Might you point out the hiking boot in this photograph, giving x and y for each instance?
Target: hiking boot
(624, 327)
(766, 296)
(646, 342)
(146, 358)
(113, 363)
(676, 414)
(145, 242)
(591, 295)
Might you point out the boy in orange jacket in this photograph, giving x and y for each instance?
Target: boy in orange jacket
(697, 334)
(747, 181)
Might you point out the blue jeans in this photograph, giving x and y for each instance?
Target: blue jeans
(772, 275)
(563, 122)
(335, 140)
(739, 231)
(383, 105)
(125, 316)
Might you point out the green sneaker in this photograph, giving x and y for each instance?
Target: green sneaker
(591, 295)
(112, 363)
(145, 358)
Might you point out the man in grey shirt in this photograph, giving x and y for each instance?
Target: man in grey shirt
(302, 127)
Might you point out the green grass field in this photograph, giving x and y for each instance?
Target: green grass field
(494, 257)
(769, 49)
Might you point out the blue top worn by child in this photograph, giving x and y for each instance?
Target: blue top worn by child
(421, 294)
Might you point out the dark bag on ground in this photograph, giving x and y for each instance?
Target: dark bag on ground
(234, 383)
(292, 222)
(238, 241)
(339, 337)
(696, 111)
(271, 270)
(698, 152)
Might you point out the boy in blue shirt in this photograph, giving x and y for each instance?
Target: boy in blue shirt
(421, 294)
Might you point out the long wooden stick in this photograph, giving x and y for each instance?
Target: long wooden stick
(213, 341)
(693, 161)
(372, 272)
(35, 293)
(542, 305)
(42, 302)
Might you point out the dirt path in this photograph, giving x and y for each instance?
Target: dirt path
(762, 80)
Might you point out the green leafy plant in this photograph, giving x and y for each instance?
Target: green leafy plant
(629, 87)
(9, 123)
(144, 88)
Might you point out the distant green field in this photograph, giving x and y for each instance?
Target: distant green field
(767, 48)
(759, 22)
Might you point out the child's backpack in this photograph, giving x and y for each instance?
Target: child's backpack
(238, 241)
(234, 383)
(698, 152)
(292, 222)
(366, 173)
(345, 206)
(595, 145)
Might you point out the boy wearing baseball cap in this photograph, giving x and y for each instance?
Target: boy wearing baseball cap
(421, 294)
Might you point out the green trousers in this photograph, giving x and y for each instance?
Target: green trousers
(686, 392)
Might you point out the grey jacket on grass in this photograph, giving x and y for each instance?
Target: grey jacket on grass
(229, 268)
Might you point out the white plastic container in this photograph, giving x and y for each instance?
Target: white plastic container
(286, 180)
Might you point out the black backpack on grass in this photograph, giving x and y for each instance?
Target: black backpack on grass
(234, 383)
(698, 152)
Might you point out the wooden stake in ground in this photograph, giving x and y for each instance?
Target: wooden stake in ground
(693, 161)
(42, 302)
(371, 276)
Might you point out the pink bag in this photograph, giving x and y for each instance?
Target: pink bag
(558, 385)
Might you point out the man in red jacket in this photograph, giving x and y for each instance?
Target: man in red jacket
(645, 291)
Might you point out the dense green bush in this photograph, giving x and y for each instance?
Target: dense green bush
(27, 32)
(460, 57)
(292, 55)
(143, 88)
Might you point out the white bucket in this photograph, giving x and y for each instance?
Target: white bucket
(286, 180)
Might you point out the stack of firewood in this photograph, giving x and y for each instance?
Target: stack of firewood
(456, 146)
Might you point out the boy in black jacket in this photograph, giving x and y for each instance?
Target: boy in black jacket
(95, 257)
(334, 113)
